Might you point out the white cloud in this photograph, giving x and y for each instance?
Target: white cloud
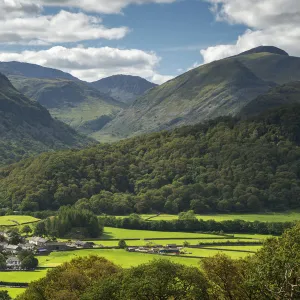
(269, 22)
(62, 27)
(91, 64)
(18, 8)
(101, 6)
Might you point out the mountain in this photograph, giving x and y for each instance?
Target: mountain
(32, 71)
(73, 102)
(285, 94)
(27, 128)
(217, 89)
(223, 165)
(68, 99)
(124, 88)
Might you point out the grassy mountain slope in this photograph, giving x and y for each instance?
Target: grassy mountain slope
(32, 71)
(220, 88)
(27, 128)
(273, 67)
(224, 165)
(73, 102)
(281, 95)
(216, 89)
(123, 88)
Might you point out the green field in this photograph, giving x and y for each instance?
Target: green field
(209, 253)
(119, 233)
(119, 257)
(267, 217)
(13, 292)
(238, 248)
(16, 220)
(23, 277)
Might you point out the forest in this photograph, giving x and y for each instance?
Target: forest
(224, 165)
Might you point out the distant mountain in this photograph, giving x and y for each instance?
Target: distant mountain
(73, 102)
(68, 99)
(286, 94)
(265, 49)
(32, 71)
(124, 88)
(220, 88)
(27, 128)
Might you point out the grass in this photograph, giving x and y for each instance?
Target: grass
(13, 292)
(209, 253)
(267, 217)
(119, 233)
(238, 248)
(23, 277)
(16, 220)
(119, 257)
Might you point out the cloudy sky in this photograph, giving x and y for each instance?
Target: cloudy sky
(155, 39)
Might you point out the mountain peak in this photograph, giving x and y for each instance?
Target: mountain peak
(265, 49)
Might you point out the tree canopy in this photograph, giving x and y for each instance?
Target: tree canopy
(225, 165)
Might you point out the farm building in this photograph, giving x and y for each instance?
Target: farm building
(38, 241)
(169, 251)
(13, 263)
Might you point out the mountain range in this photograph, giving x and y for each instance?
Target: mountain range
(219, 88)
(87, 107)
(27, 128)
(124, 88)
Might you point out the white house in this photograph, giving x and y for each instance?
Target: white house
(38, 241)
(13, 263)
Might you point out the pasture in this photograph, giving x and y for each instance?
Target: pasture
(119, 233)
(265, 217)
(16, 220)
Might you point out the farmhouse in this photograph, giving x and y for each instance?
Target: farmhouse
(38, 241)
(12, 249)
(13, 263)
(55, 246)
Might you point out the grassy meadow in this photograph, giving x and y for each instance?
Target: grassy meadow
(266, 217)
(16, 220)
(13, 292)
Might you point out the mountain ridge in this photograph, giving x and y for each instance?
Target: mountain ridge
(27, 128)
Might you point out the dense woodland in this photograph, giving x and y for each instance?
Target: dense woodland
(70, 223)
(271, 274)
(225, 165)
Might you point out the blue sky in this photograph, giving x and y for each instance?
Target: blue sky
(154, 39)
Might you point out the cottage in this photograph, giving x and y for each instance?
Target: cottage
(13, 263)
(27, 247)
(38, 241)
(56, 246)
(13, 249)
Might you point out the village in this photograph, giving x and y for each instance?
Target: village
(15, 248)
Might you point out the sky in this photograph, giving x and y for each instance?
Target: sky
(155, 39)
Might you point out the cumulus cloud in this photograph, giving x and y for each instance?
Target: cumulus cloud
(18, 8)
(91, 64)
(101, 6)
(62, 27)
(269, 22)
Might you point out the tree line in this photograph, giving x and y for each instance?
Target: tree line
(224, 165)
(271, 274)
(134, 221)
